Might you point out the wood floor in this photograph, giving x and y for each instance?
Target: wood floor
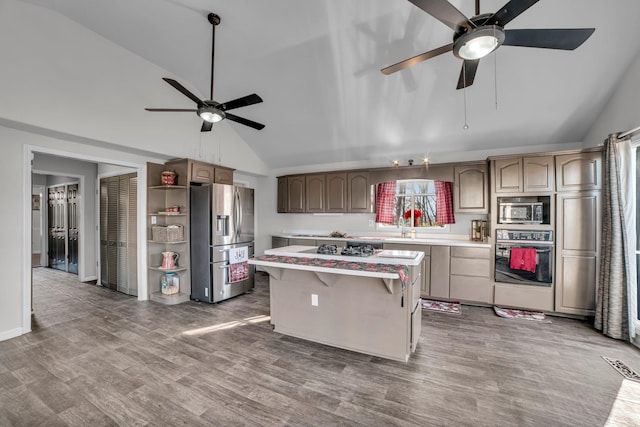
(100, 358)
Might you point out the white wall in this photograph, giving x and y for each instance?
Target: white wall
(622, 112)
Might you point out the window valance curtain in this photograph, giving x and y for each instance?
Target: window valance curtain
(444, 203)
(385, 202)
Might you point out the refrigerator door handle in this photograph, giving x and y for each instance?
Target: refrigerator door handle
(237, 212)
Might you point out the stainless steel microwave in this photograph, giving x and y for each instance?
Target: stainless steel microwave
(520, 213)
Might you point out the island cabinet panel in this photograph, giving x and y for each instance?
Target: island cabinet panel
(538, 174)
(470, 271)
(296, 188)
(336, 195)
(358, 192)
(579, 171)
(508, 175)
(440, 268)
(315, 192)
(471, 188)
(283, 194)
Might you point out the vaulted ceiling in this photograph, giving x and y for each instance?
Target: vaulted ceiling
(317, 66)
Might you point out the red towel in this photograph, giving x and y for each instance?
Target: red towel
(523, 259)
(238, 272)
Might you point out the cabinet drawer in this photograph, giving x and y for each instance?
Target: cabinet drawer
(302, 242)
(470, 267)
(201, 172)
(465, 252)
(470, 288)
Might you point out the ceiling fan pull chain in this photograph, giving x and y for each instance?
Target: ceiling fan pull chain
(464, 93)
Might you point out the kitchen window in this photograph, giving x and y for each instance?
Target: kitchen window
(413, 205)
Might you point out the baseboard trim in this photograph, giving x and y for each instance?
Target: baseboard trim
(11, 333)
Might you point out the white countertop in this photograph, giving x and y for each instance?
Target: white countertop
(383, 256)
(430, 241)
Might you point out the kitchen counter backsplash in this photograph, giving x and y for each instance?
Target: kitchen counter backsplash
(420, 239)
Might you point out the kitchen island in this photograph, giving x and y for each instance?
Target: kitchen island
(365, 304)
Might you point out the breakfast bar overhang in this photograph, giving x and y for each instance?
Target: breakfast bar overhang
(369, 305)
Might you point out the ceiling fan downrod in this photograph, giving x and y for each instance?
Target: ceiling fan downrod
(214, 20)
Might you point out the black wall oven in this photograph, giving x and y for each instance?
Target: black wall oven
(524, 257)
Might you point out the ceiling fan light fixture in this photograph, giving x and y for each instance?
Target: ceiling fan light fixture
(211, 114)
(478, 43)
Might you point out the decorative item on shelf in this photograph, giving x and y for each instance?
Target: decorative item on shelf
(478, 230)
(174, 209)
(169, 260)
(168, 178)
(416, 216)
(167, 233)
(170, 283)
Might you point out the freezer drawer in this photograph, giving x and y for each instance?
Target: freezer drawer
(222, 288)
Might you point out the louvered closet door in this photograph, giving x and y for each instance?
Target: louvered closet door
(72, 228)
(57, 228)
(132, 236)
(112, 232)
(104, 260)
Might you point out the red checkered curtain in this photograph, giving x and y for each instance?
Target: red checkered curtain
(385, 202)
(444, 203)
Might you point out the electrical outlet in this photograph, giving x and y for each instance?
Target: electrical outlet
(314, 299)
(154, 220)
(371, 223)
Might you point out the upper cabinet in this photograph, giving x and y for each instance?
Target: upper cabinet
(283, 194)
(579, 171)
(296, 189)
(358, 192)
(336, 192)
(339, 192)
(534, 174)
(471, 188)
(315, 196)
(202, 172)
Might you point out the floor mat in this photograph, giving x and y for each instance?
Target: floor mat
(622, 368)
(452, 307)
(512, 313)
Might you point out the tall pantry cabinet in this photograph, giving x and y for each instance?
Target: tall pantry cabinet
(578, 205)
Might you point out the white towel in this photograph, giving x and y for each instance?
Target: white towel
(238, 255)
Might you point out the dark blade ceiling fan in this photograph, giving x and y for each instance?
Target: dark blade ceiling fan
(476, 37)
(209, 110)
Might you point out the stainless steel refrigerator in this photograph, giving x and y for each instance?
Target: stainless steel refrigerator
(222, 224)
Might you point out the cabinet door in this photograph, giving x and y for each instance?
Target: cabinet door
(336, 197)
(201, 172)
(580, 171)
(440, 271)
(471, 189)
(283, 199)
(314, 193)
(359, 192)
(295, 194)
(279, 242)
(508, 175)
(223, 175)
(538, 174)
(578, 246)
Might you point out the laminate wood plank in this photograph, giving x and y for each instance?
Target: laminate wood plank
(97, 357)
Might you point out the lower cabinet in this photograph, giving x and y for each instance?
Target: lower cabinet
(279, 242)
(425, 274)
(470, 270)
(440, 268)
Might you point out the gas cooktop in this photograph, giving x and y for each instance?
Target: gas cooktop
(359, 250)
